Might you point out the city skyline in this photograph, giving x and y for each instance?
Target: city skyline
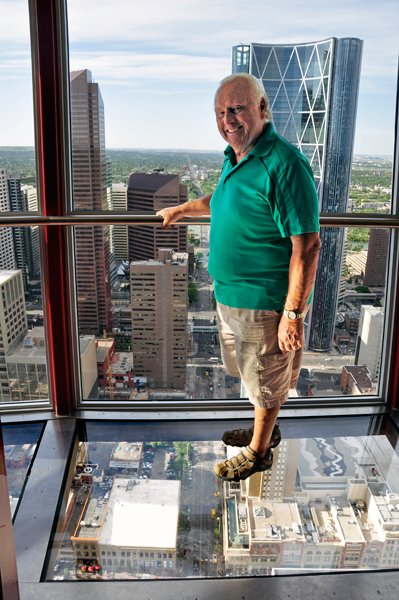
(162, 58)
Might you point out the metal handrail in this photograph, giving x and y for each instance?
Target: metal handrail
(12, 219)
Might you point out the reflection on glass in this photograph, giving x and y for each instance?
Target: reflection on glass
(23, 371)
(20, 444)
(155, 510)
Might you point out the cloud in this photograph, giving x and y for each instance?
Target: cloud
(126, 67)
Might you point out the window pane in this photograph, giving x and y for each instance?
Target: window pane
(17, 152)
(140, 336)
(154, 509)
(318, 92)
(23, 370)
(20, 442)
(344, 346)
(142, 339)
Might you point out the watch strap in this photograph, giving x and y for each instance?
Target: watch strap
(292, 315)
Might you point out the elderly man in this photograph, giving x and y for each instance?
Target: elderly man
(263, 252)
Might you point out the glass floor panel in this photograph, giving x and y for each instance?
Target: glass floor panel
(20, 443)
(147, 509)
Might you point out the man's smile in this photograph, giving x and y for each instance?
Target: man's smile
(233, 130)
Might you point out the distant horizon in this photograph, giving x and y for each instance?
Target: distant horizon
(198, 150)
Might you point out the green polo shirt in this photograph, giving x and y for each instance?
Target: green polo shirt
(256, 208)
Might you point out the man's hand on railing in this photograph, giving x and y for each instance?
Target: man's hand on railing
(170, 215)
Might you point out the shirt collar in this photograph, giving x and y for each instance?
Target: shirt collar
(264, 144)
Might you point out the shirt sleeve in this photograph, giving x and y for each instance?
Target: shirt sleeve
(296, 208)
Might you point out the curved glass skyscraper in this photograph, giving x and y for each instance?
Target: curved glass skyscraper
(313, 90)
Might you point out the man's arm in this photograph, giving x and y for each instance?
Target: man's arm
(196, 208)
(303, 266)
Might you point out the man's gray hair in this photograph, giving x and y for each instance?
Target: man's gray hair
(256, 88)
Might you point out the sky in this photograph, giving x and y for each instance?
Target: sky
(158, 63)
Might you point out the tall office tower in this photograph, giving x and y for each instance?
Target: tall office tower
(159, 300)
(377, 256)
(277, 483)
(25, 239)
(13, 322)
(32, 248)
(313, 90)
(369, 340)
(149, 192)
(7, 256)
(342, 281)
(93, 255)
(119, 197)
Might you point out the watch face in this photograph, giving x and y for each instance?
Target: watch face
(291, 314)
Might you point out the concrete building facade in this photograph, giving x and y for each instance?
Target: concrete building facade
(369, 340)
(120, 238)
(159, 300)
(13, 323)
(377, 257)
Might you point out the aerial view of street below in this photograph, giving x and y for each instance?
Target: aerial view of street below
(151, 510)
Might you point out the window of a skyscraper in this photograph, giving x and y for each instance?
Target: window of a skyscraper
(144, 137)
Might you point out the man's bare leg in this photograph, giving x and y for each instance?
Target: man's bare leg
(265, 419)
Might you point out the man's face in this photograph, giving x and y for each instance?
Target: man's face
(239, 118)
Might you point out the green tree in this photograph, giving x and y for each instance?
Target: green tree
(362, 289)
(192, 292)
(200, 255)
(213, 299)
(377, 304)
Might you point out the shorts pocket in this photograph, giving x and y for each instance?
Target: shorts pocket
(274, 374)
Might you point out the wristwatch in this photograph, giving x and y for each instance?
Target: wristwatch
(292, 315)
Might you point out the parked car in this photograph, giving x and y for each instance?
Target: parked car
(187, 553)
(196, 564)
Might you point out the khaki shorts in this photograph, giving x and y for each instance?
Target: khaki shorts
(249, 345)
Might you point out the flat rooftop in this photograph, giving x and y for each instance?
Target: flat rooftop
(146, 516)
(84, 342)
(349, 525)
(130, 451)
(19, 350)
(284, 516)
(6, 275)
(122, 362)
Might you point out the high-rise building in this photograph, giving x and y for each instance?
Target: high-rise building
(149, 192)
(159, 300)
(313, 90)
(7, 257)
(13, 322)
(369, 339)
(120, 246)
(26, 239)
(377, 256)
(93, 255)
